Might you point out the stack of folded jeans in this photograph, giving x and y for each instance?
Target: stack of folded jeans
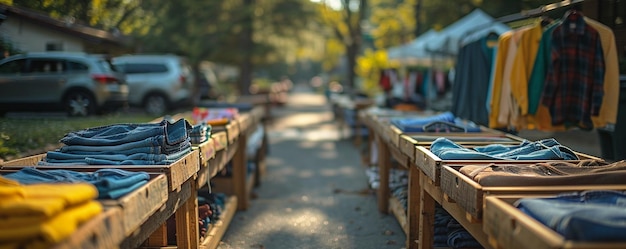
(255, 141)
(547, 149)
(398, 178)
(124, 144)
(442, 218)
(450, 233)
(443, 122)
(200, 133)
(590, 216)
(42, 215)
(110, 183)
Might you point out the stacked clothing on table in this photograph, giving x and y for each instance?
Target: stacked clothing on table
(124, 144)
(590, 216)
(546, 149)
(554, 173)
(448, 232)
(110, 183)
(443, 122)
(200, 133)
(255, 141)
(210, 208)
(44, 214)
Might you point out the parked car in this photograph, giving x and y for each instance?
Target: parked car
(79, 83)
(157, 83)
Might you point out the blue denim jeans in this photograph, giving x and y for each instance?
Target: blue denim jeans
(548, 149)
(594, 216)
(116, 134)
(59, 158)
(111, 183)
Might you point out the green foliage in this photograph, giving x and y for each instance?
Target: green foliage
(21, 135)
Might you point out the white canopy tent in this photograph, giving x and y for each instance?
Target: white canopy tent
(415, 50)
(449, 39)
(446, 42)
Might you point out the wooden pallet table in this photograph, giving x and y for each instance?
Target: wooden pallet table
(104, 231)
(508, 227)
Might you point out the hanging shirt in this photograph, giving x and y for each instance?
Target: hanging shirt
(540, 68)
(574, 87)
(469, 91)
(608, 110)
(509, 112)
(496, 80)
(523, 65)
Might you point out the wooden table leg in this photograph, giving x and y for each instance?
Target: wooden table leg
(427, 217)
(384, 165)
(187, 235)
(413, 206)
(240, 173)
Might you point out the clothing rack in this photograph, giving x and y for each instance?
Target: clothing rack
(537, 11)
(525, 14)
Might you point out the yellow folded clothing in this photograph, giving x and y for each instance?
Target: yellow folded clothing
(52, 230)
(8, 190)
(46, 199)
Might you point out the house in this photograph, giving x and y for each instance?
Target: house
(32, 31)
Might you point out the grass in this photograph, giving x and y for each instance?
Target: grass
(25, 136)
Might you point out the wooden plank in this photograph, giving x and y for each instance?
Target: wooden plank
(508, 227)
(435, 193)
(102, 232)
(137, 206)
(470, 195)
(407, 146)
(182, 170)
(207, 153)
(384, 165)
(158, 238)
(187, 234)
(217, 230)
(400, 157)
(240, 174)
(413, 207)
(220, 140)
(24, 161)
(175, 200)
(428, 163)
(427, 215)
(177, 173)
(396, 208)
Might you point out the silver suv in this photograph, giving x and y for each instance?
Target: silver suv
(79, 83)
(157, 83)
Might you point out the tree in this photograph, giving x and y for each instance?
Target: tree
(346, 24)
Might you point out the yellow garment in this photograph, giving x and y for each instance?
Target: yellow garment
(55, 196)
(608, 110)
(523, 65)
(8, 182)
(8, 189)
(509, 111)
(55, 229)
(503, 48)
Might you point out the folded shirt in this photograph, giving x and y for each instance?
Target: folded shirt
(547, 149)
(586, 172)
(48, 231)
(46, 199)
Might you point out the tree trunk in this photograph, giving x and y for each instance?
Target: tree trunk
(352, 52)
(247, 46)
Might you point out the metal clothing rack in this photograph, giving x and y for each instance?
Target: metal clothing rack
(525, 14)
(537, 11)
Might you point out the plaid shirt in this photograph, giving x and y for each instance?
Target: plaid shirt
(573, 90)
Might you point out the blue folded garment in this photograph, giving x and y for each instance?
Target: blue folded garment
(444, 122)
(111, 183)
